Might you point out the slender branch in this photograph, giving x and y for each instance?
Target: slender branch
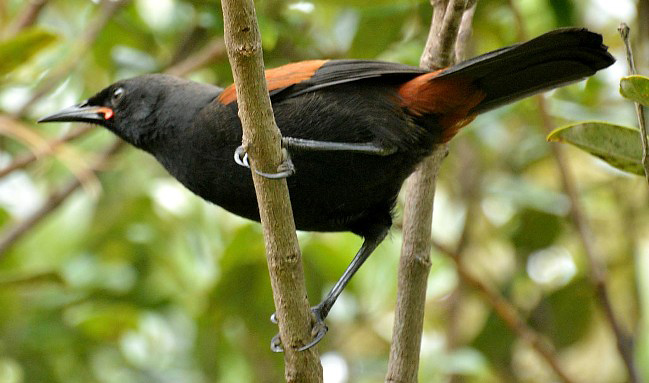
(465, 32)
(108, 9)
(261, 138)
(55, 199)
(639, 109)
(414, 264)
(212, 51)
(471, 172)
(29, 157)
(27, 17)
(509, 314)
(596, 269)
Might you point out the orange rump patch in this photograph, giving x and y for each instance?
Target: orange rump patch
(450, 99)
(280, 77)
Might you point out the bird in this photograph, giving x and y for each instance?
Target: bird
(353, 130)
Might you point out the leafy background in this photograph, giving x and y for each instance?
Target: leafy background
(121, 275)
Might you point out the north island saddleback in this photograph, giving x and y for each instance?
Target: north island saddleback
(354, 129)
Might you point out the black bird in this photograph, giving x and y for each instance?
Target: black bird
(354, 129)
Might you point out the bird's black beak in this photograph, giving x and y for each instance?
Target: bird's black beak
(81, 113)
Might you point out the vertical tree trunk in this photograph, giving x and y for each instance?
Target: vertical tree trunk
(414, 265)
(261, 138)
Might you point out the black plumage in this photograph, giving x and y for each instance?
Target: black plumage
(193, 130)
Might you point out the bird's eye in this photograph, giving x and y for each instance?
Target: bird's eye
(117, 94)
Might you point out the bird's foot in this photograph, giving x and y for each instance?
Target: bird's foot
(318, 331)
(284, 170)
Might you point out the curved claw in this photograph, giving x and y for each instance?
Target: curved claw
(276, 344)
(273, 318)
(241, 157)
(318, 332)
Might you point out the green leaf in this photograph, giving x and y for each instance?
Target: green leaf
(21, 48)
(564, 12)
(635, 88)
(535, 229)
(495, 342)
(565, 315)
(371, 40)
(618, 145)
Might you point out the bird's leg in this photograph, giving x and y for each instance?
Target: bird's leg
(321, 310)
(286, 168)
(301, 144)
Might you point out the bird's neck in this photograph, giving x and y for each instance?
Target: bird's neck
(205, 145)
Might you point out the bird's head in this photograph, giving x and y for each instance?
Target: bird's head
(143, 109)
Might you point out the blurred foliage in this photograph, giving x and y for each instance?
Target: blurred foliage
(15, 51)
(144, 282)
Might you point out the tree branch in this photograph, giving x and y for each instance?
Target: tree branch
(509, 315)
(212, 51)
(261, 138)
(596, 268)
(414, 264)
(27, 17)
(29, 157)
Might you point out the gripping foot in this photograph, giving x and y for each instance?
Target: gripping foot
(284, 170)
(318, 331)
(287, 169)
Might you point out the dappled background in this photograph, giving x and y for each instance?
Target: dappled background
(110, 271)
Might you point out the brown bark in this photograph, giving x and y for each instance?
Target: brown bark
(414, 264)
(261, 138)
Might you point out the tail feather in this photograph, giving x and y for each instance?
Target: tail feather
(549, 61)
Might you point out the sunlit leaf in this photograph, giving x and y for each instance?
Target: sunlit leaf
(635, 88)
(618, 145)
(17, 50)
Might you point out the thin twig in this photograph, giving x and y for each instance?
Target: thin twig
(639, 109)
(29, 157)
(508, 313)
(11, 235)
(596, 269)
(261, 138)
(469, 186)
(27, 17)
(212, 51)
(414, 264)
(470, 180)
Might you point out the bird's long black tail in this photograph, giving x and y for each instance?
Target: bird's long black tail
(549, 61)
